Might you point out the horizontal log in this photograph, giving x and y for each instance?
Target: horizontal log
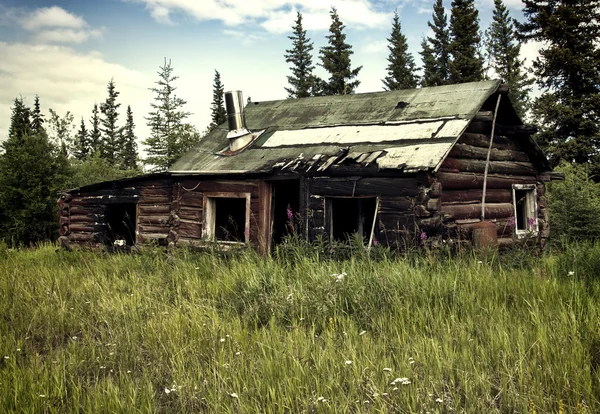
(147, 237)
(485, 116)
(152, 209)
(479, 153)
(396, 204)
(466, 211)
(436, 190)
(503, 227)
(86, 218)
(496, 167)
(162, 220)
(156, 191)
(154, 199)
(228, 187)
(86, 228)
(190, 230)
(483, 141)
(150, 228)
(113, 199)
(474, 196)
(186, 213)
(191, 198)
(433, 204)
(464, 181)
(82, 210)
(85, 237)
(402, 187)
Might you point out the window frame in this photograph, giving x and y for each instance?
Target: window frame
(530, 210)
(329, 221)
(209, 216)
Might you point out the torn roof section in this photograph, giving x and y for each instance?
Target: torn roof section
(409, 130)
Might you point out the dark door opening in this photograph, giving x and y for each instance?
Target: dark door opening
(121, 222)
(348, 216)
(284, 209)
(230, 219)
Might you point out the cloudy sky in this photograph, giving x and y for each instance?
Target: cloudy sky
(66, 51)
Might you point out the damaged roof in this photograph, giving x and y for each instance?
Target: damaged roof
(408, 130)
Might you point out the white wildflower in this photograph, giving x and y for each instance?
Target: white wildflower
(411, 360)
(367, 402)
(167, 390)
(362, 333)
(6, 357)
(395, 389)
(74, 338)
(233, 395)
(348, 362)
(238, 353)
(42, 395)
(18, 349)
(321, 399)
(439, 400)
(222, 340)
(385, 394)
(339, 277)
(129, 371)
(289, 297)
(387, 369)
(571, 273)
(403, 381)
(102, 367)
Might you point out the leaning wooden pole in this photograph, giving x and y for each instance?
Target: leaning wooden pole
(487, 161)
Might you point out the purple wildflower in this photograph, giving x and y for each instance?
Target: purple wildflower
(511, 221)
(290, 213)
(247, 233)
(531, 222)
(375, 242)
(423, 236)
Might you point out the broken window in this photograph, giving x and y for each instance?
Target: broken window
(350, 216)
(525, 209)
(227, 217)
(121, 224)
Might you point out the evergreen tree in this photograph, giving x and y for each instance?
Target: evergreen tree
(440, 45)
(335, 58)
(568, 111)
(302, 80)
(170, 137)
(31, 171)
(466, 64)
(61, 131)
(81, 147)
(37, 120)
(129, 153)
(401, 68)
(430, 72)
(20, 120)
(217, 109)
(95, 133)
(111, 132)
(503, 51)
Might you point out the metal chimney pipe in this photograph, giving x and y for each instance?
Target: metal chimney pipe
(234, 104)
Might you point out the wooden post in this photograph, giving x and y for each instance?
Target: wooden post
(487, 162)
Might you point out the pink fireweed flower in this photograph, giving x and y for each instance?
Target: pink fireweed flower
(531, 222)
(375, 242)
(290, 213)
(511, 221)
(247, 233)
(423, 236)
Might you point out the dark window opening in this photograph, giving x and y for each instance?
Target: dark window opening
(349, 216)
(230, 219)
(285, 208)
(521, 210)
(121, 222)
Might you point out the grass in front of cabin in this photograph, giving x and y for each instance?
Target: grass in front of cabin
(193, 332)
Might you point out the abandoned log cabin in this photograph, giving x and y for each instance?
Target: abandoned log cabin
(388, 166)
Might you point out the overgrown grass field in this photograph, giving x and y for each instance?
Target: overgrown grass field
(196, 332)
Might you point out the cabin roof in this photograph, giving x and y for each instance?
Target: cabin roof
(408, 130)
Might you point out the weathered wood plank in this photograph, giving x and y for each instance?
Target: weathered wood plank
(186, 213)
(191, 198)
(371, 186)
(190, 230)
(483, 141)
(153, 209)
(396, 204)
(162, 220)
(86, 218)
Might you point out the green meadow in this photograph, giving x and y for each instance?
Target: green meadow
(188, 332)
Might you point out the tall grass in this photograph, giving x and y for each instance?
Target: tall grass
(193, 332)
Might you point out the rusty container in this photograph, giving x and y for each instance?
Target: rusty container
(485, 235)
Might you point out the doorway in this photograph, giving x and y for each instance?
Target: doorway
(121, 224)
(285, 209)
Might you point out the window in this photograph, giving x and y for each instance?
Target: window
(525, 209)
(347, 216)
(227, 217)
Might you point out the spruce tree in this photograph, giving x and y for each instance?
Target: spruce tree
(20, 120)
(401, 68)
(81, 147)
(466, 64)
(95, 133)
(335, 58)
(430, 70)
(111, 136)
(129, 153)
(60, 129)
(503, 51)
(568, 111)
(217, 109)
(302, 80)
(169, 136)
(37, 119)
(440, 44)
(31, 171)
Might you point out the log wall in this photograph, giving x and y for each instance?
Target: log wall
(461, 179)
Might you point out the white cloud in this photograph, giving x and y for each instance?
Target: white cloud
(63, 35)
(52, 17)
(275, 16)
(67, 81)
(376, 47)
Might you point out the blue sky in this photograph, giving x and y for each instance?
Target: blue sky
(66, 51)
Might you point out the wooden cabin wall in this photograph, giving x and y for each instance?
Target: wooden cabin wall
(461, 179)
(83, 214)
(399, 199)
(187, 215)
